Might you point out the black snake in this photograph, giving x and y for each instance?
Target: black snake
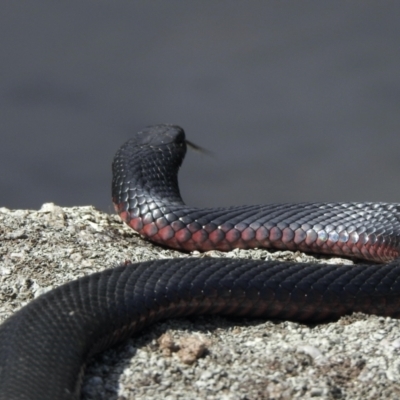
(44, 346)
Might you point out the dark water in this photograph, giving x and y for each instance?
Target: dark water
(297, 100)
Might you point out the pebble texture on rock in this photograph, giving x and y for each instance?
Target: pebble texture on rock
(356, 357)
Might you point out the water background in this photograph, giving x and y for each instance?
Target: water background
(298, 101)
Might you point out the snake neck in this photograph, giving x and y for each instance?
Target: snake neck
(145, 175)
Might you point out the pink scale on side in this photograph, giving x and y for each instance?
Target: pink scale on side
(262, 234)
(275, 234)
(150, 230)
(233, 236)
(216, 236)
(183, 235)
(136, 224)
(248, 234)
(200, 236)
(287, 236)
(166, 233)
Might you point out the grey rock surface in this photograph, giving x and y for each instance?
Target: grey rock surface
(356, 357)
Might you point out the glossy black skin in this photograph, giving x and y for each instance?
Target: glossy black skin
(44, 346)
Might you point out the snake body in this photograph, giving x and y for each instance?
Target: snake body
(44, 346)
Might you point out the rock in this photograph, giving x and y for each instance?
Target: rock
(353, 358)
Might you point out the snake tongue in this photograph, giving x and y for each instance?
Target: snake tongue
(197, 148)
